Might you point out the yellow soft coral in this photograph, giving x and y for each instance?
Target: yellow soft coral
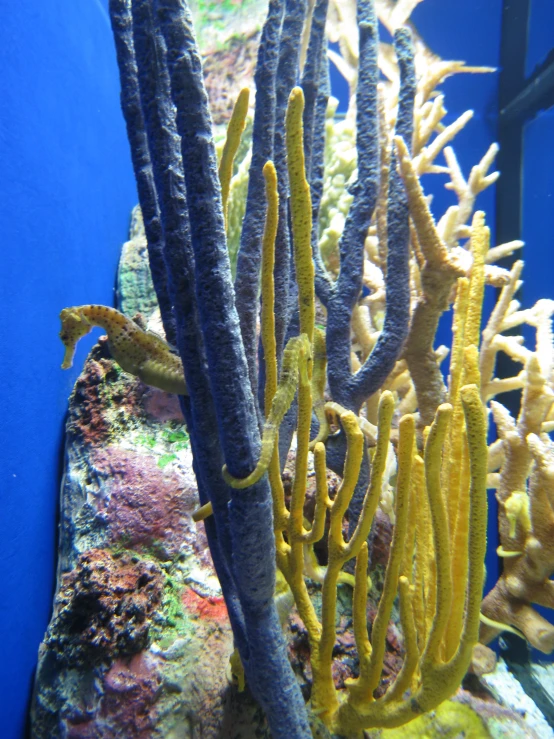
(423, 562)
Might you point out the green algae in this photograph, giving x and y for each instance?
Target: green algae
(218, 22)
(174, 438)
(165, 459)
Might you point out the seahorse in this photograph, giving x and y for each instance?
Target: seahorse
(141, 353)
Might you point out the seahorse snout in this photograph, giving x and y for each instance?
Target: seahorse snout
(74, 326)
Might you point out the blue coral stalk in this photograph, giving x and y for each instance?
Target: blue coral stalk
(249, 256)
(313, 79)
(348, 389)
(157, 129)
(287, 77)
(346, 290)
(397, 316)
(253, 563)
(316, 88)
(220, 410)
(340, 297)
(131, 105)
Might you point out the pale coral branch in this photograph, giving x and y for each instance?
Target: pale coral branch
(479, 179)
(426, 121)
(506, 385)
(487, 358)
(343, 67)
(513, 347)
(428, 155)
(496, 276)
(503, 250)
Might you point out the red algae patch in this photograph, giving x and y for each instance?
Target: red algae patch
(211, 608)
(88, 419)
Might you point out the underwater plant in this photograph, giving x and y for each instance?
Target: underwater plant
(402, 435)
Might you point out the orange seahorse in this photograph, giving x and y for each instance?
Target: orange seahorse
(141, 353)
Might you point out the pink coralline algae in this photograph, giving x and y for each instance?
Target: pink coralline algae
(131, 691)
(127, 708)
(144, 506)
(161, 406)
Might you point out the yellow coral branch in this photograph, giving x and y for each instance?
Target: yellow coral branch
(298, 495)
(477, 444)
(232, 143)
(480, 238)
(267, 319)
(322, 501)
(323, 694)
(379, 461)
(200, 514)
(368, 683)
(296, 356)
(319, 380)
(359, 614)
(301, 212)
(433, 448)
(411, 656)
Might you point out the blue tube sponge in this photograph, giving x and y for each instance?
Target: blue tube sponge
(345, 291)
(347, 389)
(131, 105)
(249, 256)
(167, 114)
(287, 77)
(162, 151)
(397, 316)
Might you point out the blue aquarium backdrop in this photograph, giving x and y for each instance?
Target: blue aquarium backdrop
(66, 192)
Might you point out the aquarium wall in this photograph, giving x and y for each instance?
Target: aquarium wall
(66, 193)
(537, 206)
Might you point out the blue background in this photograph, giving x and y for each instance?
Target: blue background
(66, 192)
(538, 169)
(540, 34)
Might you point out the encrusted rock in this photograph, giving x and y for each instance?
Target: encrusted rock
(135, 289)
(104, 607)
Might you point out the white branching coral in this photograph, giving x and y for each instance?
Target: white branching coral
(440, 249)
(445, 270)
(522, 467)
